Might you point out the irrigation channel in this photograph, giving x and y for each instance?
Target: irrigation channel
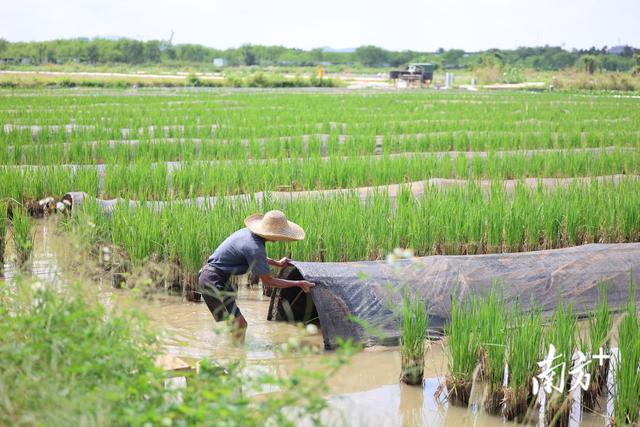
(537, 190)
(365, 392)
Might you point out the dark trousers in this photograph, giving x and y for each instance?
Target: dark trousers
(218, 293)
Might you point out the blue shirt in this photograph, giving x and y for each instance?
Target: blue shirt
(241, 252)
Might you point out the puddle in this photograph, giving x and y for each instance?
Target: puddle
(363, 393)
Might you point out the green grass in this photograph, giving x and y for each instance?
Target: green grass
(415, 325)
(68, 360)
(626, 409)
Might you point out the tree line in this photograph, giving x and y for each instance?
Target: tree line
(128, 51)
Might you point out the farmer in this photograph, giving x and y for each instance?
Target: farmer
(245, 250)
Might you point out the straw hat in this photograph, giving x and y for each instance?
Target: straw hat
(274, 226)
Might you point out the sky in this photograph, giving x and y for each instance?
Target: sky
(396, 25)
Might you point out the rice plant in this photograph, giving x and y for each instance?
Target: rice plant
(22, 234)
(626, 404)
(562, 335)
(492, 330)
(415, 323)
(524, 338)
(598, 341)
(463, 344)
(443, 221)
(3, 231)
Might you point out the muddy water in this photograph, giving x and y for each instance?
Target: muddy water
(366, 392)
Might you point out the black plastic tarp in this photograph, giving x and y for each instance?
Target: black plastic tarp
(360, 300)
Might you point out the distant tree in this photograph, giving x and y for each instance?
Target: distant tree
(248, 55)
(154, 51)
(50, 55)
(191, 52)
(400, 58)
(452, 57)
(93, 53)
(491, 58)
(589, 63)
(371, 56)
(132, 51)
(615, 63)
(636, 69)
(317, 54)
(627, 51)
(151, 51)
(42, 52)
(170, 53)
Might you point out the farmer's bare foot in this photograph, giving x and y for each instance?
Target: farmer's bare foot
(239, 329)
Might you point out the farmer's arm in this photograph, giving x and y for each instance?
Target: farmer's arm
(258, 263)
(281, 264)
(273, 282)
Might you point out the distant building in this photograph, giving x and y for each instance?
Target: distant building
(219, 62)
(616, 50)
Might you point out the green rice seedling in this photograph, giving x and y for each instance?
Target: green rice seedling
(492, 329)
(90, 225)
(626, 403)
(524, 339)
(598, 341)
(443, 221)
(562, 335)
(415, 323)
(139, 231)
(21, 232)
(138, 180)
(3, 231)
(463, 344)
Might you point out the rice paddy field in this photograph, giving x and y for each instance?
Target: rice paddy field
(363, 173)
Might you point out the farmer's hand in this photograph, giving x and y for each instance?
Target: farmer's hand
(305, 286)
(283, 262)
